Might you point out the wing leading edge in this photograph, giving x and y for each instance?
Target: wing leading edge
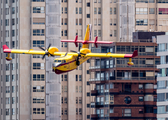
(111, 55)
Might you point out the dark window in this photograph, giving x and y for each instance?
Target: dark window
(148, 109)
(140, 98)
(127, 88)
(88, 105)
(76, 77)
(160, 97)
(88, 83)
(88, 4)
(127, 100)
(88, 94)
(88, 61)
(88, 116)
(87, 71)
(88, 15)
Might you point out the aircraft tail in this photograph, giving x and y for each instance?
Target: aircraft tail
(88, 35)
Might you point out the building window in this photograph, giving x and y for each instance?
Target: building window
(80, 77)
(38, 111)
(95, 33)
(13, 33)
(115, 10)
(7, 22)
(80, 111)
(7, 111)
(99, 22)
(7, 89)
(95, 10)
(13, 10)
(76, 21)
(66, 10)
(65, 100)
(76, 10)
(38, 89)
(62, 10)
(65, 32)
(115, 33)
(37, 43)
(162, 1)
(76, 111)
(66, 21)
(140, 98)
(38, 0)
(143, 22)
(99, 10)
(76, 1)
(62, 33)
(99, 1)
(80, 21)
(38, 100)
(88, 15)
(7, 78)
(142, 1)
(65, 111)
(38, 32)
(95, 1)
(37, 56)
(76, 100)
(76, 77)
(38, 9)
(152, 1)
(99, 33)
(88, 4)
(110, 10)
(142, 11)
(7, 11)
(80, 10)
(151, 10)
(38, 65)
(38, 77)
(88, 94)
(65, 88)
(163, 10)
(80, 100)
(127, 112)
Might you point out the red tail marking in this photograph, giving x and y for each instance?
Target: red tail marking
(95, 42)
(5, 47)
(135, 53)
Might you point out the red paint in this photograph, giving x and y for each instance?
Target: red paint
(128, 56)
(6, 49)
(135, 53)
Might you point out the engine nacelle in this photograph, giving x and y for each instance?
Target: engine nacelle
(52, 50)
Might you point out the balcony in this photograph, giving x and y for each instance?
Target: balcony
(94, 116)
(94, 67)
(113, 114)
(114, 91)
(135, 78)
(94, 92)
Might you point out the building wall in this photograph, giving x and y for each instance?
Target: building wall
(162, 78)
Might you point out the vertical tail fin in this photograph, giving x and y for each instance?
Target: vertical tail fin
(88, 35)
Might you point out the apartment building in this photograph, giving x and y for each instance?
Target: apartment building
(112, 20)
(162, 78)
(26, 81)
(119, 91)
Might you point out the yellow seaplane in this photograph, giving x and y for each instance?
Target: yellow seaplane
(69, 61)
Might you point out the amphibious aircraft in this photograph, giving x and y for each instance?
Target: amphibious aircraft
(69, 61)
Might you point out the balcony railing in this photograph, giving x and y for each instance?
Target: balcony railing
(135, 78)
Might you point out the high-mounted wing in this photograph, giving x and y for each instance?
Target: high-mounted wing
(53, 51)
(111, 55)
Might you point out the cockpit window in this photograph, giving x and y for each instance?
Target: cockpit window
(59, 61)
(55, 60)
(64, 61)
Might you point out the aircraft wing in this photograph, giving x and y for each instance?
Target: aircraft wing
(53, 51)
(112, 55)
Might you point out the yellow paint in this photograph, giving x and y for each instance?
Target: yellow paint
(87, 35)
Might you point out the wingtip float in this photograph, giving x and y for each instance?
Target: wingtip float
(69, 61)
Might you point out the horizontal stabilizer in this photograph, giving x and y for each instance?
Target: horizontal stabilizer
(86, 42)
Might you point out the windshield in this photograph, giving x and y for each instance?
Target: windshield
(60, 61)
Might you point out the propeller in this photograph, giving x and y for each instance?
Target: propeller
(79, 55)
(46, 51)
